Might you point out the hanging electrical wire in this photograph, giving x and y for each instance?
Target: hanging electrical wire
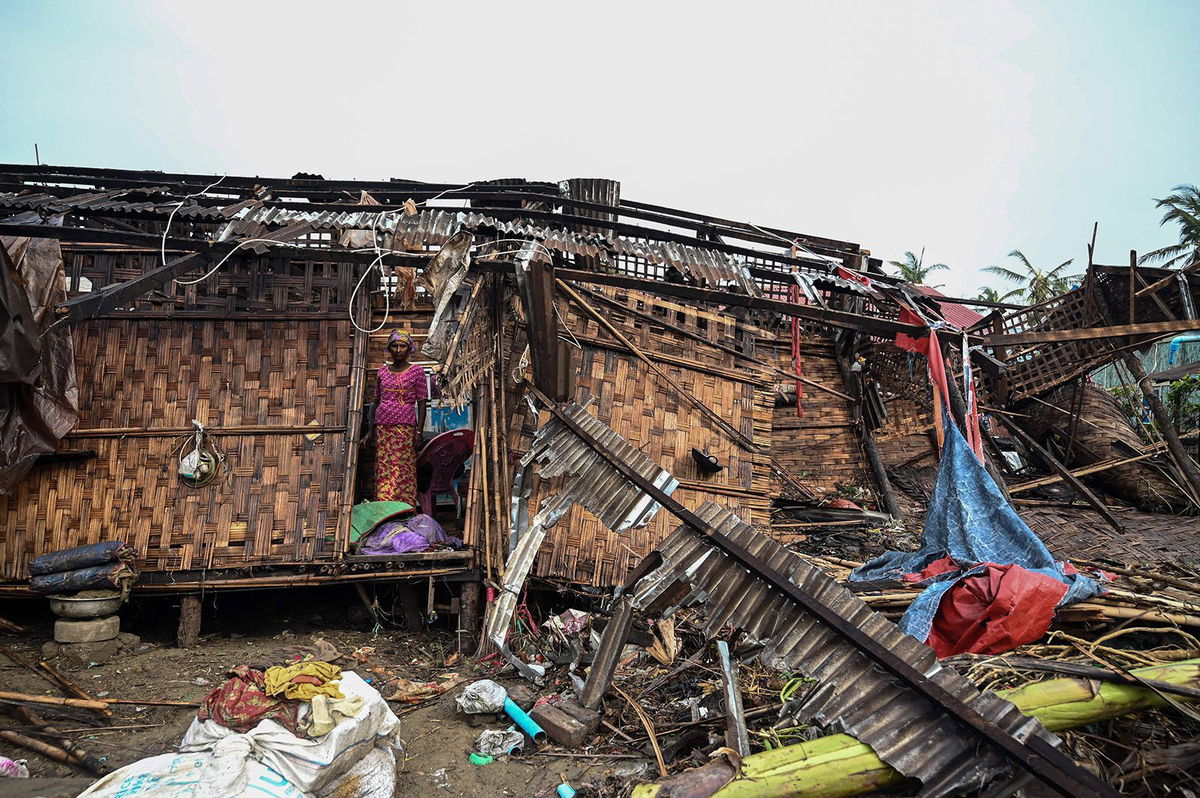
(175, 210)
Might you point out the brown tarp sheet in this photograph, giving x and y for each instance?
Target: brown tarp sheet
(39, 398)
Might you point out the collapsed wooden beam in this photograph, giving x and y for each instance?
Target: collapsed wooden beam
(1154, 328)
(1064, 472)
(834, 318)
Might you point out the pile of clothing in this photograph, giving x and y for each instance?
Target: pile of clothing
(306, 729)
(401, 535)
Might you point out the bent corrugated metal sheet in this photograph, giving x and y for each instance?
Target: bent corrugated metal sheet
(590, 481)
(907, 730)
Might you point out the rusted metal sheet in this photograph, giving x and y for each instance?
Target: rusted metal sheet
(907, 729)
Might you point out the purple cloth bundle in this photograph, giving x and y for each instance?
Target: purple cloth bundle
(406, 535)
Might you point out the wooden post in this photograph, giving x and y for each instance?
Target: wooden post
(189, 621)
(470, 619)
(854, 388)
(1132, 286)
(1065, 473)
(410, 607)
(1175, 446)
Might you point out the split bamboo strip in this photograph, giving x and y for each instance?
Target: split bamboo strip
(9, 626)
(153, 702)
(175, 432)
(487, 484)
(68, 685)
(355, 401)
(839, 766)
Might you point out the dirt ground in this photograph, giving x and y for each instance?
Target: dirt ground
(240, 628)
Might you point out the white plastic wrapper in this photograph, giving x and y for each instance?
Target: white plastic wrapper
(190, 776)
(482, 696)
(498, 742)
(373, 776)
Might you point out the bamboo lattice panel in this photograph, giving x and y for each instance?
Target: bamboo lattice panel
(820, 450)
(246, 283)
(281, 501)
(653, 417)
(1034, 369)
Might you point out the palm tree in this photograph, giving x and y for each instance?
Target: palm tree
(913, 268)
(1034, 285)
(989, 294)
(1183, 208)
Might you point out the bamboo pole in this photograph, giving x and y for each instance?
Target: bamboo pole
(66, 683)
(839, 766)
(1089, 610)
(11, 627)
(39, 747)
(55, 700)
(77, 752)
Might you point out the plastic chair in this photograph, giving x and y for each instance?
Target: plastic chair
(445, 453)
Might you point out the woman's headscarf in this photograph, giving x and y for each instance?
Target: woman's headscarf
(403, 337)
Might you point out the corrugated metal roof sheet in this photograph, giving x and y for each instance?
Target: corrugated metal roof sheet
(600, 489)
(431, 227)
(906, 729)
(588, 481)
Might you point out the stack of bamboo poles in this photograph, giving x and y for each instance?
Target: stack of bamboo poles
(490, 485)
(41, 737)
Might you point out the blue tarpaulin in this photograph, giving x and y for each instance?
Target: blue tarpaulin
(970, 521)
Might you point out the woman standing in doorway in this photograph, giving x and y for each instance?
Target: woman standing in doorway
(401, 395)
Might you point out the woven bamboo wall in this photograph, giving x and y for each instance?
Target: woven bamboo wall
(652, 416)
(821, 449)
(268, 349)
(280, 499)
(907, 438)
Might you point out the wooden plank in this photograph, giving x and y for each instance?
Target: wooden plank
(1083, 472)
(1066, 474)
(1156, 329)
(834, 318)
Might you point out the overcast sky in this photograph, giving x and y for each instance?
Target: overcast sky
(969, 128)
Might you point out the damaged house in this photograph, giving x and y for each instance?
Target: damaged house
(668, 404)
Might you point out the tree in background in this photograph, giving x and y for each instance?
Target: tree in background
(1182, 406)
(1183, 208)
(989, 294)
(1033, 285)
(914, 269)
